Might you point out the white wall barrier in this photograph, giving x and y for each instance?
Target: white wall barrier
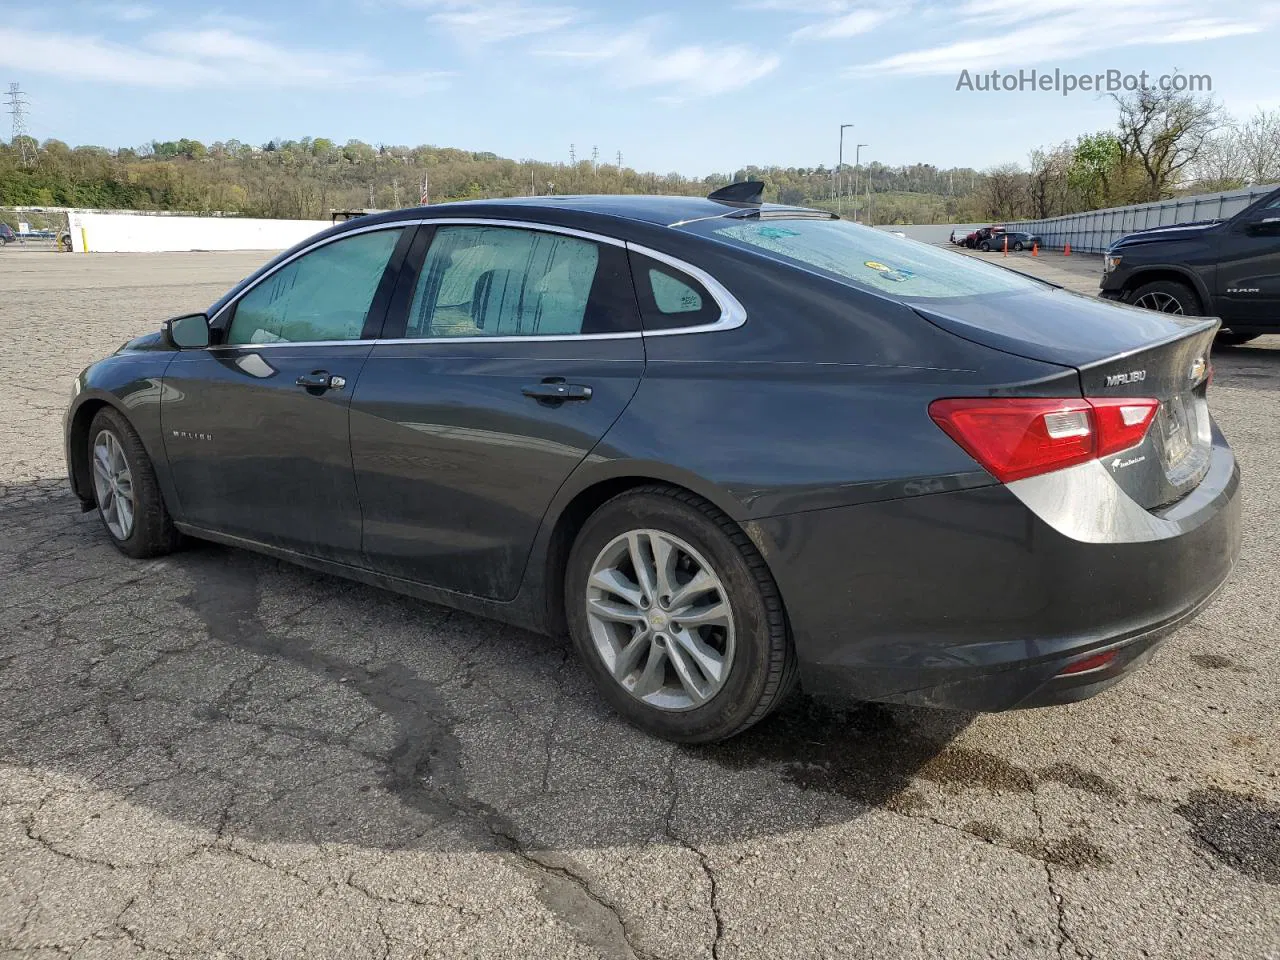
(133, 233)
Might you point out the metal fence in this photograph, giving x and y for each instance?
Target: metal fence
(1094, 231)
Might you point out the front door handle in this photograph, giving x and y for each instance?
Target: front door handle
(556, 391)
(320, 380)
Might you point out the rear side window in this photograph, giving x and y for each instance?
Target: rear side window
(480, 281)
(866, 257)
(670, 298)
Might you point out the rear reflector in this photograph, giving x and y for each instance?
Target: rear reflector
(1019, 437)
(1089, 664)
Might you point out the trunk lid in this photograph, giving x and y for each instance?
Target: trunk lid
(1118, 352)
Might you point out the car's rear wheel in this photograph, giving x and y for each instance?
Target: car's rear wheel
(986, 247)
(1167, 296)
(1230, 338)
(1017, 245)
(125, 489)
(676, 616)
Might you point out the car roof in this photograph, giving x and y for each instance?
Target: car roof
(662, 210)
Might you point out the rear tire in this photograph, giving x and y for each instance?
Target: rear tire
(1167, 296)
(126, 491)
(985, 247)
(1229, 338)
(638, 665)
(1018, 246)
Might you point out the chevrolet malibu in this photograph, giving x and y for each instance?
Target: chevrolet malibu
(727, 446)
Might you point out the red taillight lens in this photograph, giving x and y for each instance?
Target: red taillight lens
(1122, 423)
(1019, 437)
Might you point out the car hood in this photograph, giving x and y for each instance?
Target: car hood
(1181, 231)
(1053, 325)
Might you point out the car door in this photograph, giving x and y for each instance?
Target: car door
(510, 352)
(1248, 283)
(256, 427)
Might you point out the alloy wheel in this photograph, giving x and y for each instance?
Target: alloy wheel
(1160, 302)
(660, 619)
(113, 484)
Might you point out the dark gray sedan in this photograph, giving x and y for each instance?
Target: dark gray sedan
(728, 446)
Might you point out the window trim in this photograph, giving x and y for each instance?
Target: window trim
(732, 313)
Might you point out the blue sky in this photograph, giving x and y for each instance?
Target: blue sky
(694, 87)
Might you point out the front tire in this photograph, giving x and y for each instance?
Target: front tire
(1167, 296)
(676, 617)
(126, 491)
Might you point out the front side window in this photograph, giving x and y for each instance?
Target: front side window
(323, 295)
(481, 281)
(866, 257)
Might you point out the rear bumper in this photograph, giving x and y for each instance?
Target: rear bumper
(971, 601)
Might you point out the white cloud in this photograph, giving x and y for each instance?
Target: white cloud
(842, 19)
(491, 21)
(635, 58)
(1025, 34)
(125, 12)
(797, 6)
(844, 26)
(202, 58)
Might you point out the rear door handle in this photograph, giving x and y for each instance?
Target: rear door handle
(556, 391)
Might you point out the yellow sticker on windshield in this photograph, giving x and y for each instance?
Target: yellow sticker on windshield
(889, 273)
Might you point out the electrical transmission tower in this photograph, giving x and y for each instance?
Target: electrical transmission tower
(573, 156)
(619, 159)
(595, 158)
(17, 101)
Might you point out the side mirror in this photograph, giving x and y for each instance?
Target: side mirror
(190, 332)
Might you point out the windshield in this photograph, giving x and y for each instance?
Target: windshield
(866, 257)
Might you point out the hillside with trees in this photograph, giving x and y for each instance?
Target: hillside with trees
(1162, 144)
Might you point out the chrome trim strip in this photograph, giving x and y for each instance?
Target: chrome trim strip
(549, 338)
(289, 343)
(732, 313)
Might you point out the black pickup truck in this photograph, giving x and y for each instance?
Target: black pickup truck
(1224, 268)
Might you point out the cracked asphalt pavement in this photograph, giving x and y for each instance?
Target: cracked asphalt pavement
(215, 754)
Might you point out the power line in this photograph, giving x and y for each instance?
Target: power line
(18, 105)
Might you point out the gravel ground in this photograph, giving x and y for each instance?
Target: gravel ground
(218, 755)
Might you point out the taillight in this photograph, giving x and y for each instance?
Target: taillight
(1019, 437)
(1122, 423)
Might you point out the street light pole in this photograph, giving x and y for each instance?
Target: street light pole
(857, 160)
(839, 169)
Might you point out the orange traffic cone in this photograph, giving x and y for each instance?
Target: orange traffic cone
(1035, 249)
(1067, 250)
(1006, 246)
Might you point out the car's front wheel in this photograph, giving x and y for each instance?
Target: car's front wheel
(1167, 296)
(1017, 246)
(986, 247)
(125, 489)
(676, 616)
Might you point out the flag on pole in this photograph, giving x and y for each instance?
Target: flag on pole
(425, 197)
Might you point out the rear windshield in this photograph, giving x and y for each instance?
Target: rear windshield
(866, 257)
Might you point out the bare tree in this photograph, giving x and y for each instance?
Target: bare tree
(1164, 132)
(1004, 192)
(1259, 145)
(1047, 183)
(1221, 164)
